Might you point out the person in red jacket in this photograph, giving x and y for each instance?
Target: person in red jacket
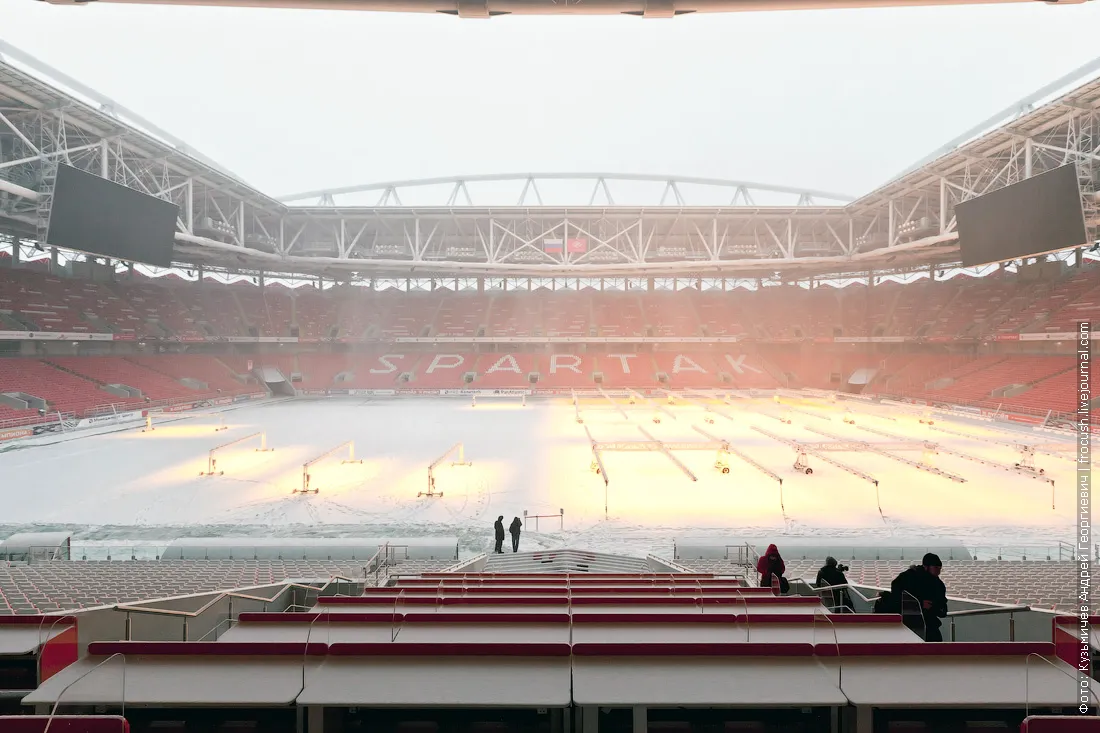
(771, 565)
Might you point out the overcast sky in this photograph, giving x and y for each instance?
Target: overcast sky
(299, 100)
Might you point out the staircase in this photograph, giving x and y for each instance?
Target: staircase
(99, 324)
(564, 561)
(774, 372)
(10, 323)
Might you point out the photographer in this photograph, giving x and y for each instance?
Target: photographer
(831, 574)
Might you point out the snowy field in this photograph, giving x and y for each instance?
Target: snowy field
(130, 486)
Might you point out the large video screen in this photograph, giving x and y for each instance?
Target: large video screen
(93, 215)
(1038, 215)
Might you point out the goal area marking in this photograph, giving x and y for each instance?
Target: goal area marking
(212, 460)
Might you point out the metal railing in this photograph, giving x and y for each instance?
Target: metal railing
(1010, 610)
(991, 610)
(836, 643)
(1027, 681)
(154, 550)
(998, 408)
(109, 408)
(559, 517)
(384, 558)
(305, 649)
(819, 591)
(30, 421)
(49, 636)
(122, 697)
(187, 616)
(396, 623)
(228, 621)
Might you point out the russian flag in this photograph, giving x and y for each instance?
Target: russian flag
(552, 246)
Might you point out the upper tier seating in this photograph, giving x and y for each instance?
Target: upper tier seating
(969, 301)
(159, 304)
(619, 314)
(316, 313)
(216, 306)
(671, 314)
(566, 314)
(403, 314)
(461, 315)
(963, 306)
(719, 314)
(47, 303)
(516, 315)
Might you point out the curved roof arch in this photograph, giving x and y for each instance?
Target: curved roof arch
(601, 187)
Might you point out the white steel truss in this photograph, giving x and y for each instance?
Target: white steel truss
(47, 118)
(598, 189)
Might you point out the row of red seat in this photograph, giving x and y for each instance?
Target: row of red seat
(450, 370)
(961, 307)
(76, 384)
(534, 649)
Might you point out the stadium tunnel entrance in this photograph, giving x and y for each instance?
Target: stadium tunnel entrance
(276, 383)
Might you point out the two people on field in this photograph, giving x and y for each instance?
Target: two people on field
(514, 529)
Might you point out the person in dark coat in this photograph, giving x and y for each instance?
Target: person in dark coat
(514, 529)
(922, 583)
(833, 574)
(885, 603)
(770, 565)
(498, 528)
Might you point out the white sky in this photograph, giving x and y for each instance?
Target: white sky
(298, 100)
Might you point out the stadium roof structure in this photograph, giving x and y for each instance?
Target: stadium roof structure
(491, 8)
(47, 117)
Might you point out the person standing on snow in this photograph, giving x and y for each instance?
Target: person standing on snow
(498, 530)
(514, 529)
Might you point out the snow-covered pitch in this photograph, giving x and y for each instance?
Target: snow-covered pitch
(534, 458)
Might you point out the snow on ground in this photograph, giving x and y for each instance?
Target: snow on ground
(127, 485)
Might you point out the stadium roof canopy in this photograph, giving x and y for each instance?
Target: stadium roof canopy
(491, 8)
(687, 227)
